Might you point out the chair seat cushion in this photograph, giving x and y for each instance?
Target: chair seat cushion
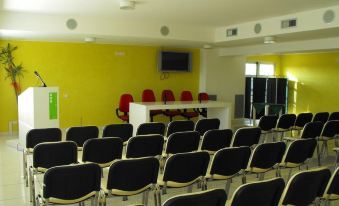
(124, 117)
(190, 114)
(171, 112)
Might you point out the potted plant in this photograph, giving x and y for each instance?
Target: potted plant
(13, 71)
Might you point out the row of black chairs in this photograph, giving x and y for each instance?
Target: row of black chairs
(226, 163)
(303, 189)
(80, 135)
(135, 176)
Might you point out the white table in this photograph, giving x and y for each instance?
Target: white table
(139, 112)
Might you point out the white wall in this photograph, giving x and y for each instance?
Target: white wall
(223, 76)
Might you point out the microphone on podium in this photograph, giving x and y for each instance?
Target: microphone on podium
(41, 80)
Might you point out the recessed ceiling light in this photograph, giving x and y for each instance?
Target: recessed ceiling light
(90, 39)
(127, 4)
(269, 40)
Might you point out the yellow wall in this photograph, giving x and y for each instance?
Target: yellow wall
(314, 79)
(317, 77)
(91, 78)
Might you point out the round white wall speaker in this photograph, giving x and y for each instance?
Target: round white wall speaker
(164, 30)
(328, 16)
(71, 24)
(257, 28)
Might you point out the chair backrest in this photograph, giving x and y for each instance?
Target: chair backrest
(302, 119)
(286, 121)
(304, 187)
(151, 128)
(311, 130)
(246, 136)
(229, 161)
(125, 99)
(331, 129)
(213, 197)
(167, 96)
(102, 151)
(186, 96)
(148, 96)
(216, 139)
(133, 174)
(79, 135)
(203, 125)
(50, 154)
(36, 136)
(203, 96)
(182, 142)
(265, 156)
(299, 151)
(179, 126)
(263, 193)
(332, 188)
(334, 116)
(321, 117)
(124, 131)
(145, 146)
(267, 122)
(67, 182)
(186, 167)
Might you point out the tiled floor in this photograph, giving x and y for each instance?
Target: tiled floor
(13, 192)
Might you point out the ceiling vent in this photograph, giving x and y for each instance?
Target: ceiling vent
(288, 23)
(232, 32)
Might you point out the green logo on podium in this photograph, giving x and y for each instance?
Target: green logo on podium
(53, 105)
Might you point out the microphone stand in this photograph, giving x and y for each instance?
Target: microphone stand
(41, 80)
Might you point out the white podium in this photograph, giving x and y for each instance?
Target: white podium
(38, 107)
(139, 111)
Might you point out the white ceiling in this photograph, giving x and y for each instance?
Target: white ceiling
(198, 12)
(192, 22)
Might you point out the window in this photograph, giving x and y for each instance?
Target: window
(259, 69)
(266, 69)
(251, 69)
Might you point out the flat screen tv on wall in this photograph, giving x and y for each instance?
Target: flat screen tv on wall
(170, 61)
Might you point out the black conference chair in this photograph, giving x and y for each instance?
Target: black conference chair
(64, 185)
(301, 120)
(79, 135)
(246, 136)
(214, 197)
(179, 126)
(145, 146)
(216, 139)
(297, 154)
(124, 131)
(332, 189)
(151, 128)
(321, 117)
(265, 157)
(183, 170)
(330, 131)
(228, 163)
(267, 124)
(311, 130)
(180, 142)
(304, 187)
(263, 193)
(131, 177)
(203, 125)
(102, 151)
(50, 154)
(34, 137)
(334, 116)
(285, 123)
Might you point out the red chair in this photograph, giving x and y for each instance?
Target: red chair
(202, 96)
(148, 96)
(125, 99)
(187, 96)
(168, 96)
